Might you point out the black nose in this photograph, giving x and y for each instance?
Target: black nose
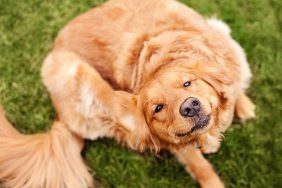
(190, 107)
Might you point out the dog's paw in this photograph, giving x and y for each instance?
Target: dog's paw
(245, 109)
(213, 183)
(210, 149)
(212, 145)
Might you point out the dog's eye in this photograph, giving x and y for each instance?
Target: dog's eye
(187, 84)
(159, 108)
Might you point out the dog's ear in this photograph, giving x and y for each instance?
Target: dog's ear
(131, 116)
(149, 61)
(146, 138)
(213, 74)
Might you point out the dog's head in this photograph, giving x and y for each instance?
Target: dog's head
(182, 88)
(181, 103)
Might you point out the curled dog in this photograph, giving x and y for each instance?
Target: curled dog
(152, 74)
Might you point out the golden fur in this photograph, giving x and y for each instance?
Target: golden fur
(44, 160)
(108, 71)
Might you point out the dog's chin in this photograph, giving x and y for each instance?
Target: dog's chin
(200, 126)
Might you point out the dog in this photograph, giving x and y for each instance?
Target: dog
(152, 74)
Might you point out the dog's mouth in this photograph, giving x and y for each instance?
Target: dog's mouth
(200, 123)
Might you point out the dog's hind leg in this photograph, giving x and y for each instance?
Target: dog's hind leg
(82, 98)
(79, 94)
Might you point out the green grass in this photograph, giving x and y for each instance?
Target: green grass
(251, 154)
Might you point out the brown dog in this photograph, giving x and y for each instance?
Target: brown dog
(153, 74)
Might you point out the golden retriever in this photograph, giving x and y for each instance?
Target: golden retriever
(152, 74)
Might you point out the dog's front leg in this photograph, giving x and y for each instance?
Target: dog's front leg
(198, 166)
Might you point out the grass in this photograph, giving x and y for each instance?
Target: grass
(251, 154)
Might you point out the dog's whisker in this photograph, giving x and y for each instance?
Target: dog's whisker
(219, 107)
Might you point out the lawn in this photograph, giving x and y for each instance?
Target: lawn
(251, 153)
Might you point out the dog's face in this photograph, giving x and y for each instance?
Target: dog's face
(178, 105)
(182, 101)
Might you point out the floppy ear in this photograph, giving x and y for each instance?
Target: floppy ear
(145, 137)
(213, 74)
(148, 62)
(131, 116)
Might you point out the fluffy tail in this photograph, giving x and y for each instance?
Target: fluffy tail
(42, 160)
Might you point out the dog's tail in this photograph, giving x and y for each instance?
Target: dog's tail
(48, 160)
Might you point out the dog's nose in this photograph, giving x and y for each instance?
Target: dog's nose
(190, 107)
